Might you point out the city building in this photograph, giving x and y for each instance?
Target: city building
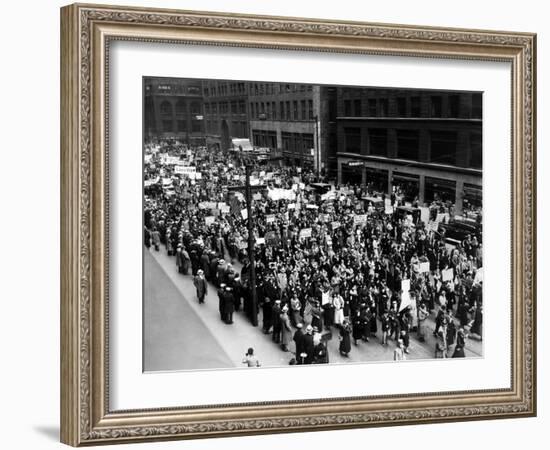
(286, 118)
(226, 111)
(174, 109)
(426, 142)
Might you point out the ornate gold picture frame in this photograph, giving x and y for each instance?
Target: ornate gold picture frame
(86, 34)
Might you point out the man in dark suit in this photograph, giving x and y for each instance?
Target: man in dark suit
(308, 346)
(298, 339)
(228, 305)
(200, 285)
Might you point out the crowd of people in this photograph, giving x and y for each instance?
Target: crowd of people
(327, 259)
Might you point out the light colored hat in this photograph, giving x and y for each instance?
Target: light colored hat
(285, 308)
(309, 329)
(222, 285)
(299, 325)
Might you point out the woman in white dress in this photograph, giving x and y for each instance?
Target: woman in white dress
(338, 305)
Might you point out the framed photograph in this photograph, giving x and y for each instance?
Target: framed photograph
(276, 224)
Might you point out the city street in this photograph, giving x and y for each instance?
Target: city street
(181, 334)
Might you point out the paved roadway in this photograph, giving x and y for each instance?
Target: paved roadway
(181, 334)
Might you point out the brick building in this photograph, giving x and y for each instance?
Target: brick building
(173, 109)
(226, 111)
(429, 143)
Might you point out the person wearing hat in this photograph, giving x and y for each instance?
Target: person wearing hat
(201, 285)
(345, 341)
(228, 305)
(267, 315)
(179, 259)
(277, 326)
(221, 301)
(286, 330)
(307, 345)
(460, 344)
(298, 339)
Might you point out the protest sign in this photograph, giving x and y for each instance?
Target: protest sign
(257, 196)
(447, 275)
(292, 206)
(359, 219)
(260, 241)
(270, 218)
(312, 207)
(185, 170)
(405, 285)
(424, 214)
(305, 233)
(424, 267)
(209, 220)
(225, 209)
(244, 214)
(335, 225)
(405, 300)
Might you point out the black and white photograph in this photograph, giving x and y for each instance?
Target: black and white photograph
(289, 224)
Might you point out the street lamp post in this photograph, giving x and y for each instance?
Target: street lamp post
(251, 245)
(248, 191)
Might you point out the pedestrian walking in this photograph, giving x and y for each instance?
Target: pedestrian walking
(201, 286)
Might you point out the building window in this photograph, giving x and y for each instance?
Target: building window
(372, 107)
(476, 156)
(288, 116)
(454, 103)
(407, 144)
(295, 109)
(352, 140)
(214, 108)
(357, 107)
(166, 108)
(252, 112)
(347, 108)
(401, 107)
(233, 106)
(310, 109)
(383, 107)
(378, 141)
(443, 147)
(182, 126)
(415, 106)
(195, 108)
(282, 110)
(196, 126)
(242, 107)
(207, 108)
(167, 126)
(476, 106)
(194, 90)
(180, 108)
(303, 108)
(436, 103)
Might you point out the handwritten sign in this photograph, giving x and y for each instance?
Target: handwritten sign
(305, 233)
(359, 219)
(424, 267)
(447, 275)
(209, 220)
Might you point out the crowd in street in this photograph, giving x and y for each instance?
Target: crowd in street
(329, 263)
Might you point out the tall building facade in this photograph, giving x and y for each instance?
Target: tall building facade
(285, 117)
(226, 111)
(174, 109)
(428, 143)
